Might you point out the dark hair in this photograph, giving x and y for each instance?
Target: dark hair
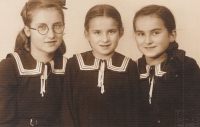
(103, 10)
(22, 41)
(161, 12)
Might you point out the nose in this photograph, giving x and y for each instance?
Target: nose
(148, 40)
(51, 34)
(104, 38)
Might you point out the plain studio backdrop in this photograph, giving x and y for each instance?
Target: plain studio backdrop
(186, 12)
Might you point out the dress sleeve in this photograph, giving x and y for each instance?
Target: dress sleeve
(134, 92)
(191, 87)
(67, 104)
(8, 90)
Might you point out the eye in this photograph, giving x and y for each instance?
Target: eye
(112, 31)
(58, 25)
(42, 27)
(140, 34)
(97, 32)
(155, 32)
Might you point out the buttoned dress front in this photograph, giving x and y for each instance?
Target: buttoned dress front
(27, 94)
(102, 99)
(172, 98)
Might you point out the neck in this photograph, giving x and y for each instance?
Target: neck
(155, 61)
(42, 57)
(101, 56)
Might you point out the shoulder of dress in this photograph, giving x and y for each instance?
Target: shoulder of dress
(7, 63)
(121, 68)
(83, 66)
(26, 71)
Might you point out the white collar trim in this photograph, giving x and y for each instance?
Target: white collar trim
(22, 71)
(38, 68)
(158, 71)
(96, 65)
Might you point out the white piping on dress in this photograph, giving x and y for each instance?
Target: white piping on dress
(101, 77)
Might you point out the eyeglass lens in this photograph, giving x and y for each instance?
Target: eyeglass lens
(57, 28)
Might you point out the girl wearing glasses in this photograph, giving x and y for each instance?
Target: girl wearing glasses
(31, 77)
(103, 83)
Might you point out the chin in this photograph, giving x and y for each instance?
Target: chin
(151, 55)
(107, 53)
(50, 51)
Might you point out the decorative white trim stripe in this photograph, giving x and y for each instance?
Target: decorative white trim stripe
(86, 67)
(59, 71)
(158, 72)
(145, 75)
(23, 71)
(96, 64)
(101, 77)
(119, 69)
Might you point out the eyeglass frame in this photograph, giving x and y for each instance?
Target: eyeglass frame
(63, 25)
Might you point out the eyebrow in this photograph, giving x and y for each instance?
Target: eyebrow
(156, 29)
(58, 22)
(95, 30)
(101, 30)
(46, 24)
(113, 29)
(150, 30)
(40, 23)
(138, 31)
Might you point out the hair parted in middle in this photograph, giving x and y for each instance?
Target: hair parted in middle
(103, 10)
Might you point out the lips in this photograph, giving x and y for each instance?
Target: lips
(105, 45)
(150, 47)
(50, 42)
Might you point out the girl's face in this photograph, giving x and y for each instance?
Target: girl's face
(152, 36)
(103, 35)
(49, 42)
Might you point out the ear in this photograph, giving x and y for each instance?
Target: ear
(27, 31)
(86, 35)
(172, 36)
(121, 32)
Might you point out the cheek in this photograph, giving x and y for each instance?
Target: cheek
(164, 41)
(116, 38)
(139, 45)
(37, 38)
(166, 45)
(138, 41)
(94, 39)
(60, 37)
(92, 42)
(163, 45)
(91, 38)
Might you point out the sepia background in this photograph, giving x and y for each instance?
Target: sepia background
(186, 12)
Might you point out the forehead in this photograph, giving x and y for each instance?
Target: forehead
(149, 22)
(47, 16)
(102, 22)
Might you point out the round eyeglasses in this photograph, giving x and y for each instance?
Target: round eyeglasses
(43, 29)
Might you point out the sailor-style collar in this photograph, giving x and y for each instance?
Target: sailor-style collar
(117, 63)
(28, 66)
(144, 69)
(158, 71)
